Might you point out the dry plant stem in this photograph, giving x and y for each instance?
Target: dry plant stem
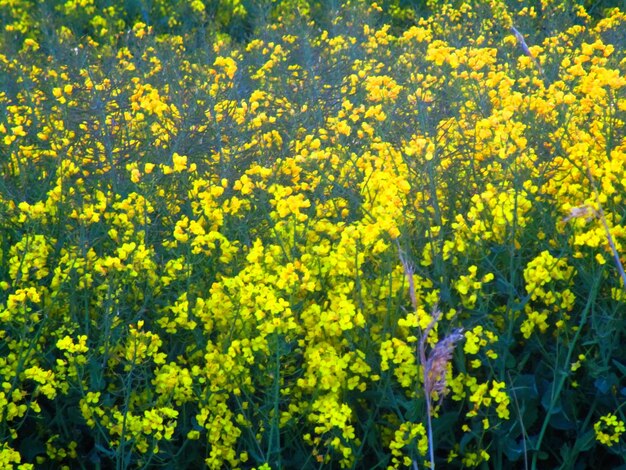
(427, 391)
(600, 215)
(434, 366)
(609, 237)
(408, 272)
(526, 49)
(435, 363)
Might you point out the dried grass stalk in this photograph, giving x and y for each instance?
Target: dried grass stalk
(435, 363)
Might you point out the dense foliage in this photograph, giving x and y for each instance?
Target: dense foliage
(296, 234)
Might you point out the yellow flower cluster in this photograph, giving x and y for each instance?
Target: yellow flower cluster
(541, 276)
(609, 429)
(224, 253)
(408, 439)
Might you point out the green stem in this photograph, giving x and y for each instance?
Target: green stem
(273, 452)
(431, 442)
(563, 376)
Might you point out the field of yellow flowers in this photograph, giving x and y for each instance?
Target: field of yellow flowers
(312, 234)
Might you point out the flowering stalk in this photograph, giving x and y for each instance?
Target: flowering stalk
(434, 363)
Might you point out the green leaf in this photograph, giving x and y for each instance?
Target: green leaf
(561, 421)
(602, 385)
(511, 361)
(621, 367)
(446, 422)
(513, 449)
(585, 441)
(110, 453)
(465, 440)
(525, 387)
(605, 384)
(549, 403)
(29, 449)
(96, 380)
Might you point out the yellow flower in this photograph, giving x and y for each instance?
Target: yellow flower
(31, 44)
(609, 429)
(179, 162)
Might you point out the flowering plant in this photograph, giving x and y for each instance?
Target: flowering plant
(304, 234)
